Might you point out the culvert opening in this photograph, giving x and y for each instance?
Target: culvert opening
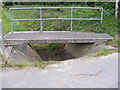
(52, 51)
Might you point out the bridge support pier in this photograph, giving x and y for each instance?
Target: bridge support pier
(23, 53)
(82, 49)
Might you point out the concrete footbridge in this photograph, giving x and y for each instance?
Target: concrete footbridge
(77, 43)
(14, 38)
(18, 48)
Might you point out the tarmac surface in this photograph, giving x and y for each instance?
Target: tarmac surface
(0, 68)
(92, 72)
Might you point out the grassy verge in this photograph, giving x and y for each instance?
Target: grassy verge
(38, 64)
(101, 52)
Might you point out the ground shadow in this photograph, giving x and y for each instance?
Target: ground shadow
(55, 52)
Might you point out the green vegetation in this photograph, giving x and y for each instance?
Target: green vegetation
(47, 46)
(118, 49)
(115, 43)
(101, 52)
(38, 64)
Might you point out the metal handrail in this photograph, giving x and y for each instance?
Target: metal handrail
(56, 7)
(41, 19)
(56, 19)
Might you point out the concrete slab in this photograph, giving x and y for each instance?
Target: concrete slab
(7, 51)
(79, 50)
(21, 53)
(14, 38)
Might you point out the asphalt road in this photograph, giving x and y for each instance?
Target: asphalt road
(93, 72)
(0, 68)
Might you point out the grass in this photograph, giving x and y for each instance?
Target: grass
(38, 64)
(101, 52)
(114, 43)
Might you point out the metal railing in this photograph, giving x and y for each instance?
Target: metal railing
(41, 19)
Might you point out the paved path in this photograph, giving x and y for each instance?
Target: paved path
(93, 72)
(0, 68)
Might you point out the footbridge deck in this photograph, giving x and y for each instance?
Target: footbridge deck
(14, 38)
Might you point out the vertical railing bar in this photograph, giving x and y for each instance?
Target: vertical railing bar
(71, 14)
(11, 26)
(101, 15)
(40, 19)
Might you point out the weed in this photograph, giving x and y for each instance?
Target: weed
(114, 43)
(101, 52)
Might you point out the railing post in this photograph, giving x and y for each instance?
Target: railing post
(71, 14)
(101, 15)
(40, 19)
